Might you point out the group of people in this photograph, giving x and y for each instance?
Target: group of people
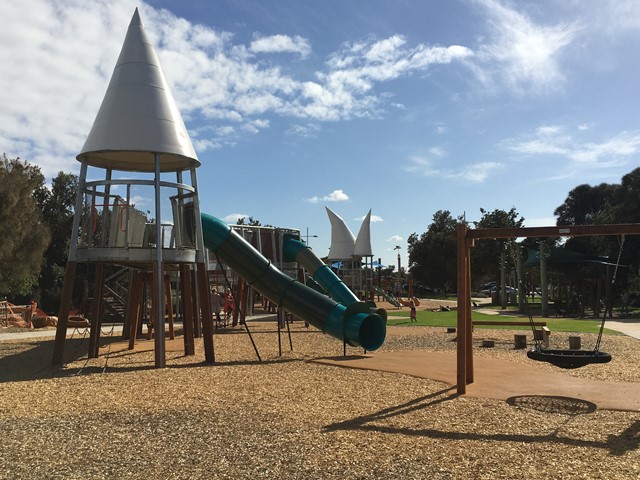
(222, 304)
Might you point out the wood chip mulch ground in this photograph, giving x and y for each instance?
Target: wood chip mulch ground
(285, 417)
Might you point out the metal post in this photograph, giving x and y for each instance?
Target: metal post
(160, 359)
(73, 244)
(543, 281)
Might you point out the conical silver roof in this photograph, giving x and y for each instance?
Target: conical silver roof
(342, 240)
(363, 240)
(138, 116)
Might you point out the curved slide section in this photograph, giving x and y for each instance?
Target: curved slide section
(296, 250)
(353, 323)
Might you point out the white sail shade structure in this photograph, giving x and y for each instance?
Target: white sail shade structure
(342, 240)
(362, 246)
(138, 118)
(344, 246)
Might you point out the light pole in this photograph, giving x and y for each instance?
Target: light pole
(307, 236)
(397, 247)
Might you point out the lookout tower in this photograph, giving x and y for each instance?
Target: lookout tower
(137, 200)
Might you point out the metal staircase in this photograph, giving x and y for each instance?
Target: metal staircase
(116, 290)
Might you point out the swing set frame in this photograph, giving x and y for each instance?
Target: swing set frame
(466, 238)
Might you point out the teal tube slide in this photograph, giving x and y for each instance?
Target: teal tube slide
(353, 323)
(296, 250)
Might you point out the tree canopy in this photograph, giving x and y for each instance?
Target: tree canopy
(486, 254)
(57, 206)
(432, 255)
(25, 235)
(601, 204)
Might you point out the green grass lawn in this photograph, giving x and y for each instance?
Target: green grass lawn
(449, 319)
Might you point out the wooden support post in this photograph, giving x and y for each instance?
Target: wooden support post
(96, 321)
(467, 312)
(207, 316)
(186, 297)
(134, 311)
(63, 313)
(461, 310)
(169, 300)
(197, 326)
(126, 325)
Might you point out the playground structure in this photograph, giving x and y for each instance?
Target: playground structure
(139, 149)
(466, 238)
(16, 315)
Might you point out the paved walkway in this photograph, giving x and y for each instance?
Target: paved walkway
(630, 327)
(499, 379)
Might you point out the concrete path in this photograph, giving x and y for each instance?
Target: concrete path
(630, 327)
(499, 379)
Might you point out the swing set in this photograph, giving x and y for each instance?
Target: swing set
(466, 238)
(571, 358)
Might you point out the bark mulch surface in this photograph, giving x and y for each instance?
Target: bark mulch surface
(289, 417)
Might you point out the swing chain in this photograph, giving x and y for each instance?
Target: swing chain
(615, 272)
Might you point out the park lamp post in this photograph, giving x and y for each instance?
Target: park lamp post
(397, 247)
(307, 236)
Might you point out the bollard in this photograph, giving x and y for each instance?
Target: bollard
(574, 343)
(519, 341)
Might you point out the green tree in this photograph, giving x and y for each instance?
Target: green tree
(602, 204)
(57, 207)
(485, 256)
(584, 203)
(25, 236)
(433, 255)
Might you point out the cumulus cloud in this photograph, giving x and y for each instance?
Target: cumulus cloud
(474, 172)
(520, 53)
(561, 141)
(335, 196)
(395, 239)
(233, 218)
(66, 52)
(281, 43)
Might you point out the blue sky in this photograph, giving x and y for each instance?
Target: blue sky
(401, 107)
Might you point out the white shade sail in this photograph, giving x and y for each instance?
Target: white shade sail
(363, 240)
(342, 240)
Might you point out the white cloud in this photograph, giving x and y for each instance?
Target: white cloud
(335, 196)
(474, 173)
(394, 239)
(67, 50)
(522, 54)
(553, 140)
(281, 43)
(437, 151)
(233, 218)
(440, 128)
(307, 130)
